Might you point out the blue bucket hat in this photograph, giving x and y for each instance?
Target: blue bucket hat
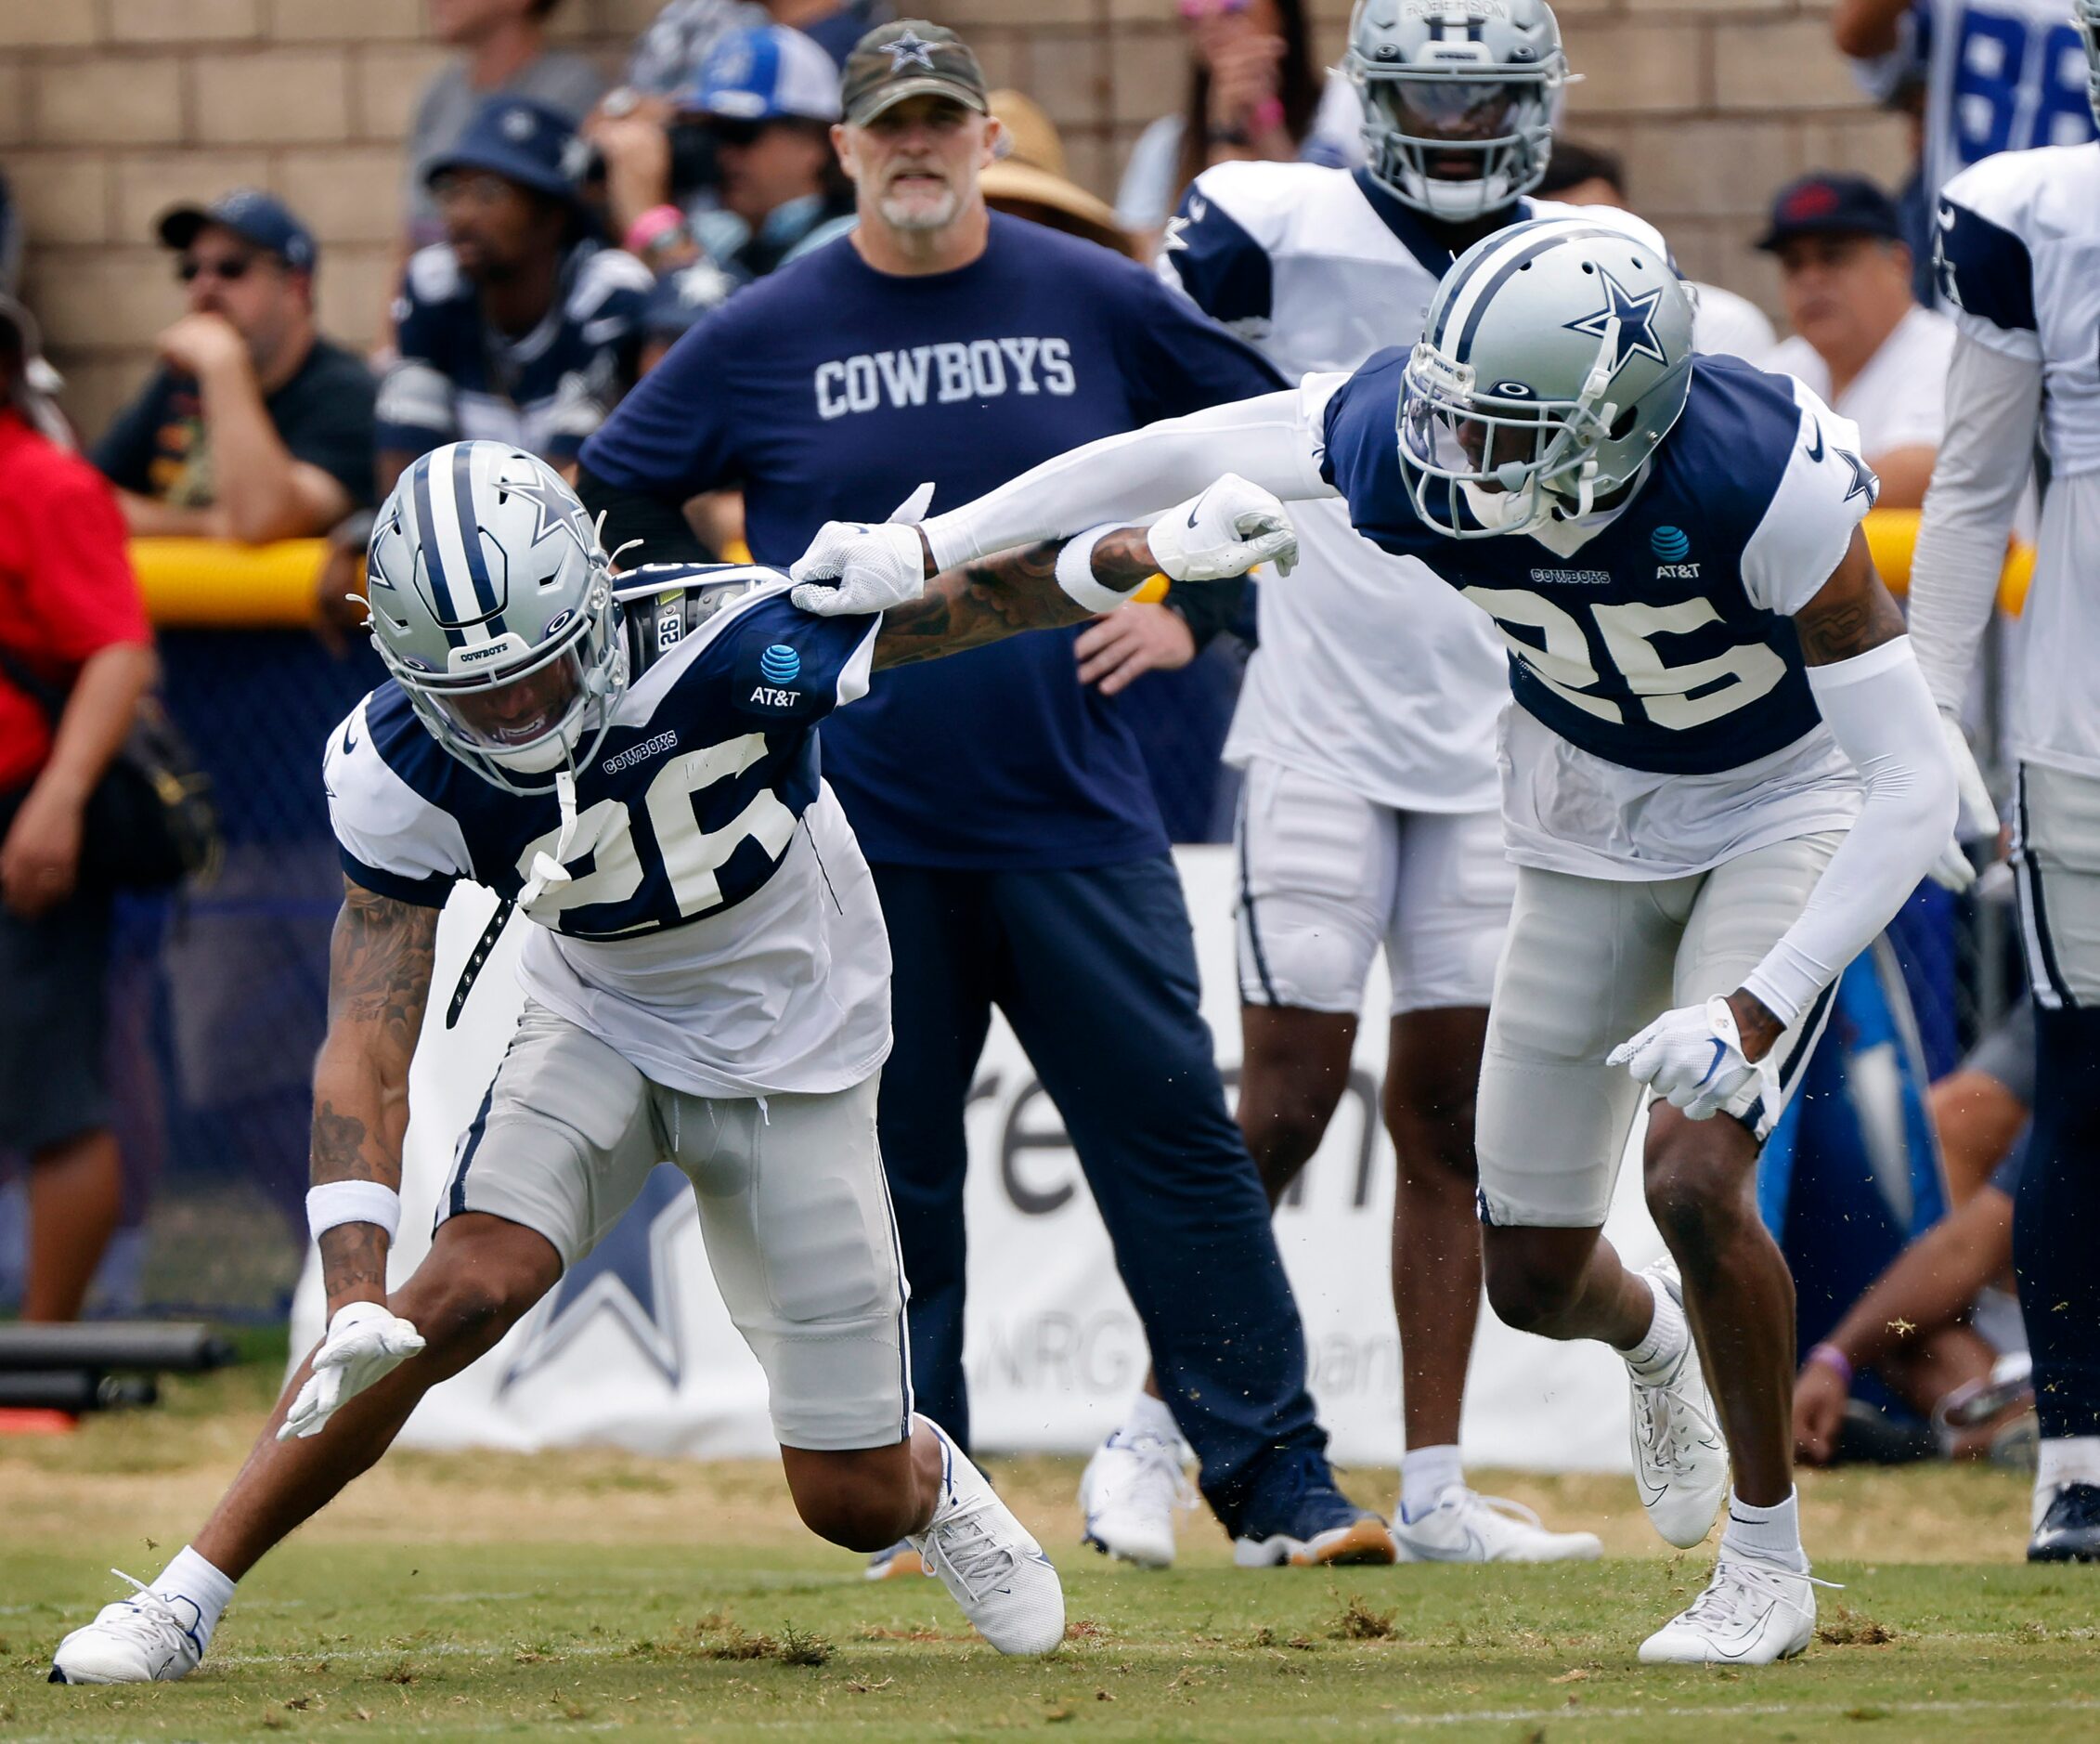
(521, 141)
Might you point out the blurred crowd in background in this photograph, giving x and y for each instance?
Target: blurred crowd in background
(560, 231)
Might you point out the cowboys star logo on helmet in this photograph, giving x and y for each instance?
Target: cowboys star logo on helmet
(1636, 319)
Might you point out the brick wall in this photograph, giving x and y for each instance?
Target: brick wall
(113, 110)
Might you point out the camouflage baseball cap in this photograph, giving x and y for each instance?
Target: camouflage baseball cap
(909, 58)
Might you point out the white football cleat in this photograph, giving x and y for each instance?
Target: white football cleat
(1752, 1613)
(1680, 1454)
(144, 1639)
(988, 1562)
(1130, 1493)
(1468, 1526)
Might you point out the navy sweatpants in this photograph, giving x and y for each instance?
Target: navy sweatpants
(1095, 970)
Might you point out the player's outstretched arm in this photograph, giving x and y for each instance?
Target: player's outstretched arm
(379, 962)
(1873, 698)
(1273, 441)
(1222, 532)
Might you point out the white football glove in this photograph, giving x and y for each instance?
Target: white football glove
(364, 1344)
(852, 569)
(1978, 818)
(1693, 1057)
(1222, 532)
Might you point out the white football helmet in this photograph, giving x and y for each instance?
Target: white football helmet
(492, 607)
(1557, 355)
(1457, 98)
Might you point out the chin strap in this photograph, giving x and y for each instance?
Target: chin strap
(549, 870)
(548, 873)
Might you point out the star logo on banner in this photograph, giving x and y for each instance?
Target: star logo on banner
(1636, 317)
(559, 511)
(910, 50)
(629, 1278)
(1864, 483)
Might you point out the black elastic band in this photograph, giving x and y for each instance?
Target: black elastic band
(477, 960)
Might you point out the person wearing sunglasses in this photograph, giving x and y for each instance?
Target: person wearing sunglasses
(254, 426)
(760, 113)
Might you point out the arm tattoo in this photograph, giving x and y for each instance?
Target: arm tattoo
(354, 1260)
(1002, 595)
(1851, 613)
(380, 960)
(977, 604)
(338, 1145)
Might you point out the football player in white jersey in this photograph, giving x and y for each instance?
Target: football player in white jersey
(1722, 774)
(2001, 75)
(2019, 265)
(1370, 817)
(708, 983)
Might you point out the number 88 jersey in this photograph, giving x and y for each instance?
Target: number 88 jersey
(719, 927)
(1664, 718)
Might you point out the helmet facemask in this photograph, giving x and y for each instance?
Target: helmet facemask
(1506, 457)
(1454, 144)
(532, 713)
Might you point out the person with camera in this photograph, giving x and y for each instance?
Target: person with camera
(518, 327)
(75, 658)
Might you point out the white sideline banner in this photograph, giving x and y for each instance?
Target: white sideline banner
(634, 1349)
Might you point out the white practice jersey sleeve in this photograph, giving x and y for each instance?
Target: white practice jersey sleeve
(1272, 440)
(1878, 709)
(1994, 410)
(1822, 496)
(392, 841)
(2018, 258)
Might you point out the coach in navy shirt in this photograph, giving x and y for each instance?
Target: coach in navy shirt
(1004, 806)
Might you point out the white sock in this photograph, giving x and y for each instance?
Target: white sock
(189, 1576)
(1149, 1416)
(2066, 1459)
(1425, 1473)
(1771, 1534)
(1669, 1333)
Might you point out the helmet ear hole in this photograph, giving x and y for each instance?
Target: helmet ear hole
(1622, 426)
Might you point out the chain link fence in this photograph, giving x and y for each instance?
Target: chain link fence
(218, 998)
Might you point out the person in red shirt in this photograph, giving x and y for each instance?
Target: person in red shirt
(75, 657)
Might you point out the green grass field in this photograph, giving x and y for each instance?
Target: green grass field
(469, 1597)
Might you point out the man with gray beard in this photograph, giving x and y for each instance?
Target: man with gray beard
(1003, 803)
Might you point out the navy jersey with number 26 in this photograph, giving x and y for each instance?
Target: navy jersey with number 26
(719, 927)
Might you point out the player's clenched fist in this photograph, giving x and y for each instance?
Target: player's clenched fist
(1692, 1057)
(1222, 532)
(364, 1344)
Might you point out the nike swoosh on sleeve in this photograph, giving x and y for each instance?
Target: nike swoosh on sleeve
(1816, 452)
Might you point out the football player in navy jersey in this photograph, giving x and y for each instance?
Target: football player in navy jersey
(1366, 727)
(1005, 806)
(2019, 265)
(1722, 776)
(708, 983)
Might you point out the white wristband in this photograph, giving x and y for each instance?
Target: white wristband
(1075, 573)
(334, 1203)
